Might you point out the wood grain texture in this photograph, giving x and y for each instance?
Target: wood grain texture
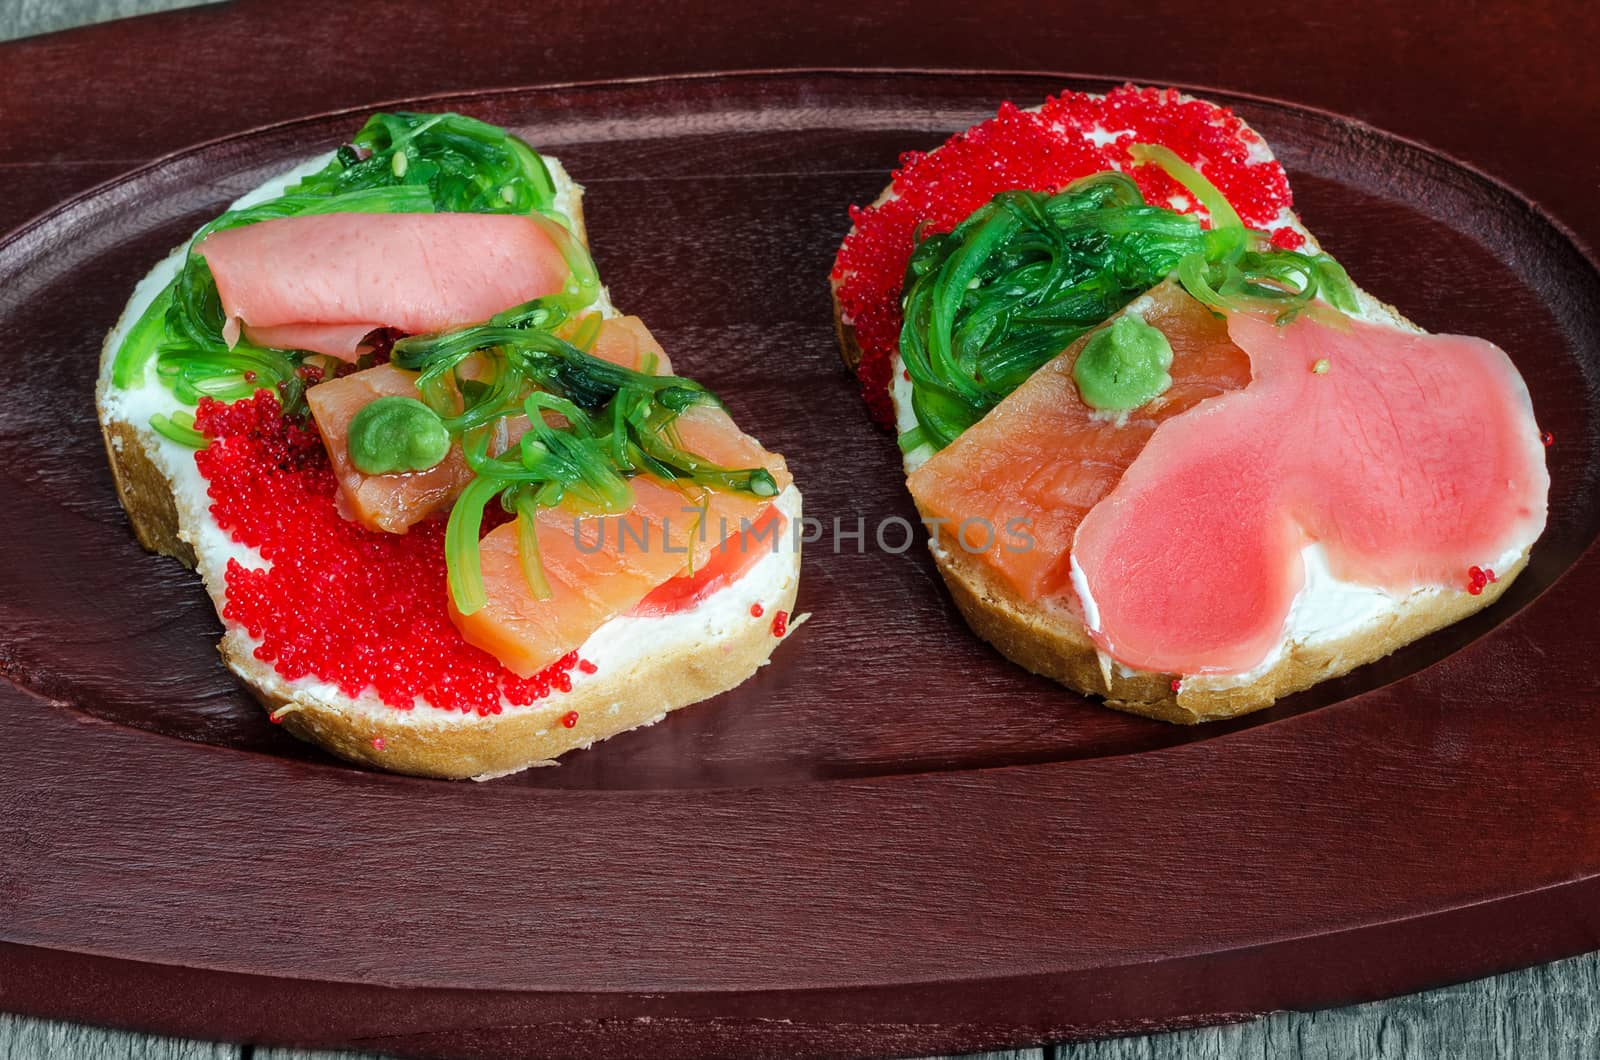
(33, 1039)
(1546, 1013)
(1494, 88)
(1281, 862)
(1436, 51)
(27, 18)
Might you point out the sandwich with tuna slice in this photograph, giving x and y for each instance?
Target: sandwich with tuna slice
(1168, 453)
(458, 515)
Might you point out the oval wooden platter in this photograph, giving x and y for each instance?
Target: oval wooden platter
(891, 840)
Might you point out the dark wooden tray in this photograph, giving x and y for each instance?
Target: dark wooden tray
(891, 840)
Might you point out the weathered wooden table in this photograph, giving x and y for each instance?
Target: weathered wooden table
(1551, 1011)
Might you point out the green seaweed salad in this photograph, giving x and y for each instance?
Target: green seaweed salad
(618, 422)
(1026, 274)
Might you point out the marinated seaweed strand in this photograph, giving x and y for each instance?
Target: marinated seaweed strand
(593, 425)
(618, 423)
(1026, 274)
(397, 163)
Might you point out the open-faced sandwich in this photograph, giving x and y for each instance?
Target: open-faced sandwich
(457, 514)
(1168, 453)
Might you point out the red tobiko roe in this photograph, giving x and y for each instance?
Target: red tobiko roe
(1478, 578)
(1041, 150)
(355, 608)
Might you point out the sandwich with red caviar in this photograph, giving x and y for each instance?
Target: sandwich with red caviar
(458, 515)
(1168, 453)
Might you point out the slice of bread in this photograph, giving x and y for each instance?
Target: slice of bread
(646, 666)
(1049, 642)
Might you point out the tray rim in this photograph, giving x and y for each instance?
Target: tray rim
(797, 72)
(1586, 559)
(19, 234)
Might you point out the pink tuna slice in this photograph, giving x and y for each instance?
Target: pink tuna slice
(1409, 458)
(322, 282)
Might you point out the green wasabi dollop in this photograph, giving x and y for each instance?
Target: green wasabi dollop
(1123, 366)
(395, 434)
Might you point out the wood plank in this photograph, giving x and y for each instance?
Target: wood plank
(22, 1038)
(316, 1054)
(1548, 1011)
(310, 1054)
(25, 18)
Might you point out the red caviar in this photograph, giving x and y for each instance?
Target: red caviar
(587, 667)
(1177, 684)
(358, 609)
(780, 623)
(377, 743)
(756, 610)
(570, 718)
(1288, 239)
(1044, 151)
(1477, 578)
(1547, 439)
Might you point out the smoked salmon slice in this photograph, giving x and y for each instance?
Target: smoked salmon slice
(599, 567)
(729, 562)
(711, 434)
(322, 282)
(387, 503)
(1410, 458)
(626, 341)
(394, 503)
(1013, 489)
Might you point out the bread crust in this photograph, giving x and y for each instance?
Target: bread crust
(144, 491)
(1054, 644)
(1057, 646)
(426, 741)
(435, 743)
(849, 349)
